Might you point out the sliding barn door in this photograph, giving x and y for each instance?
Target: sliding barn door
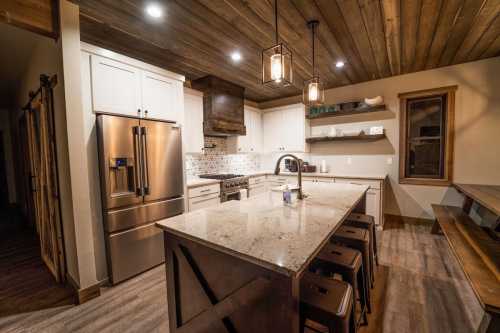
(44, 186)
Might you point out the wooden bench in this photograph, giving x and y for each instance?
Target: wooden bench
(478, 255)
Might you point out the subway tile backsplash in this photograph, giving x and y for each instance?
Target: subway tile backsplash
(217, 160)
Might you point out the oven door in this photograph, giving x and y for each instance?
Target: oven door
(233, 195)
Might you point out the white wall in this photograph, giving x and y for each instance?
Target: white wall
(9, 157)
(477, 131)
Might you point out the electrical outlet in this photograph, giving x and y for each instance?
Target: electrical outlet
(389, 160)
(349, 160)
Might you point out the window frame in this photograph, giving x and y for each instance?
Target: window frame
(447, 178)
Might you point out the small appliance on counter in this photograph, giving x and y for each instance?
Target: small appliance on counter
(292, 166)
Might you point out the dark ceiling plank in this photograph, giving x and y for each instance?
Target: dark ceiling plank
(372, 17)
(241, 16)
(352, 15)
(35, 15)
(462, 25)
(335, 21)
(410, 16)
(429, 15)
(486, 40)
(251, 49)
(493, 50)
(484, 19)
(123, 17)
(391, 12)
(447, 18)
(308, 10)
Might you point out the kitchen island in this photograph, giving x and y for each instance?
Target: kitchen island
(236, 267)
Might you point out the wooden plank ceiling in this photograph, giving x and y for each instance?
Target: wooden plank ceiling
(376, 38)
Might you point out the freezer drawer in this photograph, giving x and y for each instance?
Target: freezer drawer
(134, 251)
(118, 220)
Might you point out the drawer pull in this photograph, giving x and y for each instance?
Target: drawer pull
(207, 190)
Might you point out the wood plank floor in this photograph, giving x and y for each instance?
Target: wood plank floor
(26, 284)
(419, 288)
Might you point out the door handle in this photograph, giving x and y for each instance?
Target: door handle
(145, 172)
(138, 163)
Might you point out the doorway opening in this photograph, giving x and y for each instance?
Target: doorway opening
(32, 258)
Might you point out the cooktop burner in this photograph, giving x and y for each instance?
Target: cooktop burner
(221, 176)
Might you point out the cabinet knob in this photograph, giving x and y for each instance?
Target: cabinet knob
(139, 111)
(145, 113)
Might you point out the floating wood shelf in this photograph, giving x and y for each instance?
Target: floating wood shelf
(361, 137)
(349, 112)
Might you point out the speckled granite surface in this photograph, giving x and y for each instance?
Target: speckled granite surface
(266, 231)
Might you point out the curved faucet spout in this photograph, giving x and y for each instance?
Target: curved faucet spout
(300, 195)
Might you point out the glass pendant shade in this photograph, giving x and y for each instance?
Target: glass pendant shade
(277, 66)
(313, 93)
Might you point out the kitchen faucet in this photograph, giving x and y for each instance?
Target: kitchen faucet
(300, 195)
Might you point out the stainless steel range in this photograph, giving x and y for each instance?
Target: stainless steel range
(230, 185)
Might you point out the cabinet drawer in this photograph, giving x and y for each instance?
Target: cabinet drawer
(317, 179)
(256, 180)
(374, 184)
(203, 190)
(204, 201)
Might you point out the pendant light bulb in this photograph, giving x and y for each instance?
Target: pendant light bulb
(313, 91)
(276, 67)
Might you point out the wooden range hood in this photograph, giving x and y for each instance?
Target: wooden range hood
(223, 113)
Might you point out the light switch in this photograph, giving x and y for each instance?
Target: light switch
(349, 160)
(389, 160)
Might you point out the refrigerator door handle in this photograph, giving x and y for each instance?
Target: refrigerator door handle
(138, 164)
(144, 150)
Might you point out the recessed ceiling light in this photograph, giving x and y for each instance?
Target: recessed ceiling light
(154, 10)
(236, 56)
(339, 64)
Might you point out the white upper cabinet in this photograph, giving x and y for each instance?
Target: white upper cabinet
(159, 97)
(286, 129)
(116, 87)
(193, 121)
(125, 86)
(252, 141)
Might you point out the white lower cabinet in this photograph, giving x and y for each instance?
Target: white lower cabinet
(203, 196)
(374, 196)
(203, 201)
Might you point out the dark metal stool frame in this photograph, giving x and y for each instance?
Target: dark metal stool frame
(328, 302)
(349, 264)
(359, 239)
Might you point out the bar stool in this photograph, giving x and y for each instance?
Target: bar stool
(358, 239)
(328, 302)
(348, 263)
(366, 222)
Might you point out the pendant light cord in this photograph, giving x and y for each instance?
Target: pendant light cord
(313, 27)
(276, 18)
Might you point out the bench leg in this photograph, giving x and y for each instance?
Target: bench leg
(436, 229)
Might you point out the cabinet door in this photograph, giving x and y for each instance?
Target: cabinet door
(257, 133)
(159, 97)
(273, 131)
(115, 87)
(293, 128)
(373, 204)
(193, 123)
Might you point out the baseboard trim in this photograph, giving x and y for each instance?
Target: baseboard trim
(85, 294)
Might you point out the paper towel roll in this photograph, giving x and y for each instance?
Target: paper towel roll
(323, 168)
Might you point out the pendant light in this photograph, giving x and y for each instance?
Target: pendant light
(277, 61)
(313, 93)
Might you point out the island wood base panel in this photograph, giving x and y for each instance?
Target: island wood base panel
(211, 291)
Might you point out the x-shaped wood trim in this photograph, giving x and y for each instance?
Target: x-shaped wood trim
(247, 294)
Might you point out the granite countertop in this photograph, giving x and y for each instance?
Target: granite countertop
(266, 231)
(195, 181)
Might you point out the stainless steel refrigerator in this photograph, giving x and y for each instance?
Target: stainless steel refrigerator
(141, 182)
